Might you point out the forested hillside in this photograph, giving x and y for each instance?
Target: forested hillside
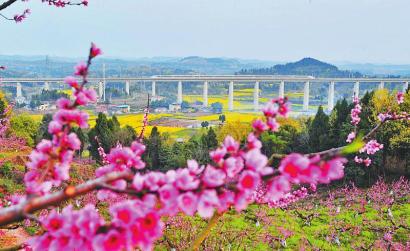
(306, 66)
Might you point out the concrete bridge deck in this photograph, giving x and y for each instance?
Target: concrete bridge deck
(219, 79)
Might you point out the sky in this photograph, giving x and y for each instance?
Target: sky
(362, 31)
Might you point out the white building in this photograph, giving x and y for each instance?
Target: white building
(174, 107)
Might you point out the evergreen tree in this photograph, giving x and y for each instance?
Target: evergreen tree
(198, 148)
(42, 132)
(153, 144)
(211, 140)
(222, 118)
(319, 131)
(114, 124)
(103, 130)
(367, 119)
(83, 138)
(339, 123)
(165, 158)
(279, 142)
(204, 123)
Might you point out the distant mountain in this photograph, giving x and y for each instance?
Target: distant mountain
(380, 70)
(45, 66)
(209, 65)
(306, 66)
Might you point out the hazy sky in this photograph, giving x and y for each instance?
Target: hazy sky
(376, 31)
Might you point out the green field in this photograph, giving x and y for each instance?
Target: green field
(304, 226)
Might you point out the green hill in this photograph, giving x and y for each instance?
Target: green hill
(306, 66)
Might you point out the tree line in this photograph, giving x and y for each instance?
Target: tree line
(304, 135)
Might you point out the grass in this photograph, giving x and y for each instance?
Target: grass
(249, 231)
(10, 186)
(252, 228)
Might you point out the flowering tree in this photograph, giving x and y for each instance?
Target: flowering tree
(236, 177)
(20, 17)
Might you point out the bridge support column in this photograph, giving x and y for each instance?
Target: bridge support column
(127, 87)
(100, 90)
(306, 97)
(331, 97)
(282, 89)
(46, 86)
(230, 96)
(381, 85)
(356, 89)
(405, 86)
(153, 89)
(19, 92)
(179, 97)
(105, 85)
(205, 102)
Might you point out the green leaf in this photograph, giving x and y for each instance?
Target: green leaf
(353, 147)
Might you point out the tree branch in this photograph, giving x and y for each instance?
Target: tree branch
(145, 120)
(3, 16)
(20, 211)
(204, 234)
(32, 204)
(7, 4)
(337, 150)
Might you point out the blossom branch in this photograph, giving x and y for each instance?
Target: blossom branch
(145, 120)
(19, 212)
(7, 18)
(20, 17)
(338, 150)
(7, 4)
(365, 138)
(231, 179)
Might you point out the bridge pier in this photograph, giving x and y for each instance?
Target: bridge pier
(100, 90)
(205, 95)
(105, 85)
(153, 89)
(230, 96)
(19, 94)
(405, 86)
(46, 86)
(282, 89)
(306, 97)
(19, 91)
(331, 97)
(256, 96)
(356, 89)
(179, 97)
(127, 87)
(381, 85)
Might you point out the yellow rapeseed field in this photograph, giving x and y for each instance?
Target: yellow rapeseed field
(232, 117)
(69, 92)
(135, 120)
(36, 117)
(223, 99)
